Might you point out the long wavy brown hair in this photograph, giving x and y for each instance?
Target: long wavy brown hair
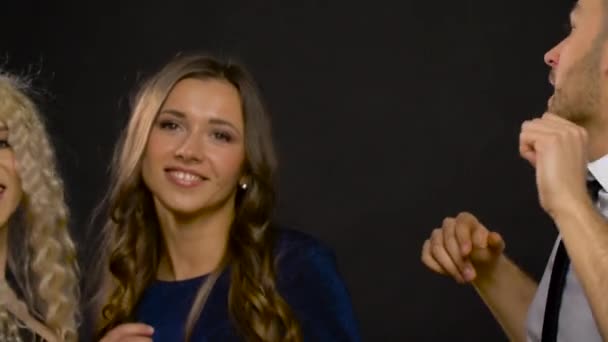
(41, 254)
(133, 240)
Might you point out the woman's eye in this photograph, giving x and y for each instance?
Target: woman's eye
(222, 136)
(169, 125)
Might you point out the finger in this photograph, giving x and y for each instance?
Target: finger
(465, 223)
(551, 124)
(135, 339)
(533, 142)
(442, 257)
(538, 141)
(444, 260)
(535, 131)
(541, 126)
(126, 330)
(452, 246)
(551, 127)
(480, 237)
(562, 125)
(550, 117)
(429, 261)
(496, 242)
(528, 153)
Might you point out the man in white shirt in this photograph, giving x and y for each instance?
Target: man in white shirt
(568, 146)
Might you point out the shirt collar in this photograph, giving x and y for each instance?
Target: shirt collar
(599, 171)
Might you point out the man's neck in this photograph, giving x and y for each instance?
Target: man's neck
(598, 140)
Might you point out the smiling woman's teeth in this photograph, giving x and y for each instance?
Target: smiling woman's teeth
(186, 177)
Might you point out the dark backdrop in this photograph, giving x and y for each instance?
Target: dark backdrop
(388, 116)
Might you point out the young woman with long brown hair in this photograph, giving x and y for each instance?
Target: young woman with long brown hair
(191, 251)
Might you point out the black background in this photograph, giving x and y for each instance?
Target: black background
(388, 116)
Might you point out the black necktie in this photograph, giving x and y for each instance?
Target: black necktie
(558, 280)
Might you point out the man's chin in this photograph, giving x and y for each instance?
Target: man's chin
(553, 107)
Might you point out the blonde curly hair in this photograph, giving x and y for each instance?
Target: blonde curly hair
(42, 256)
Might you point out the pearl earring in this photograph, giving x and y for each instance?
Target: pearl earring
(244, 186)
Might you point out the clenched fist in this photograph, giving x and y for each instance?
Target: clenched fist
(463, 249)
(557, 148)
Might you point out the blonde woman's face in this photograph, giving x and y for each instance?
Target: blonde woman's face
(10, 183)
(195, 152)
